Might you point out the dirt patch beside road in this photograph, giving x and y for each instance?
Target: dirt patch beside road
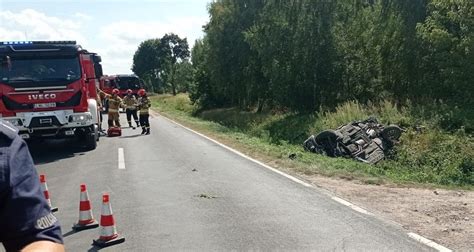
(444, 216)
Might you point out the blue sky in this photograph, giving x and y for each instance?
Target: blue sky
(112, 28)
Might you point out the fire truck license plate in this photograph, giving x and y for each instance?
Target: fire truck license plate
(45, 105)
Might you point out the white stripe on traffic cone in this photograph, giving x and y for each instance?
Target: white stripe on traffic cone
(44, 187)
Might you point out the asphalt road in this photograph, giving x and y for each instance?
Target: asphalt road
(226, 203)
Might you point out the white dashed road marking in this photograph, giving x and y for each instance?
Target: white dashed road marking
(121, 159)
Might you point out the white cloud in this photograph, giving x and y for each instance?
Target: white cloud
(135, 32)
(30, 24)
(116, 43)
(124, 37)
(12, 35)
(83, 16)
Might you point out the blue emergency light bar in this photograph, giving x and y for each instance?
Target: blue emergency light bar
(16, 43)
(65, 42)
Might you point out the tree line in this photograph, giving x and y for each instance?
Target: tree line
(305, 55)
(164, 64)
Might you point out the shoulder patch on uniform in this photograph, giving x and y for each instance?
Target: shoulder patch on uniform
(46, 221)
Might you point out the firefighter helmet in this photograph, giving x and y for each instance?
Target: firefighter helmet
(141, 92)
(115, 91)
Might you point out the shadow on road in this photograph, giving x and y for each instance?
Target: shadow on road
(94, 248)
(71, 232)
(131, 136)
(48, 151)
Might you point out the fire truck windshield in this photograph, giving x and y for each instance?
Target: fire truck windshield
(128, 83)
(35, 71)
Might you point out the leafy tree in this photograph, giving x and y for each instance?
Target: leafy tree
(147, 64)
(304, 55)
(184, 76)
(175, 50)
(448, 60)
(201, 91)
(400, 50)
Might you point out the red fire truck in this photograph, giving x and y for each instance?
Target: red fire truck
(122, 82)
(48, 90)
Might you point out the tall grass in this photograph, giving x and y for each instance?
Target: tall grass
(179, 103)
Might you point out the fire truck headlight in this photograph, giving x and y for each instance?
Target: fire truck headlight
(80, 118)
(15, 122)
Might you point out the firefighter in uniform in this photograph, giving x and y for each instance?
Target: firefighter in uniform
(130, 103)
(114, 103)
(26, 221)
(144, 104)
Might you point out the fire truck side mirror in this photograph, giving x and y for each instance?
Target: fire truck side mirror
(98, 70)
(97, 59)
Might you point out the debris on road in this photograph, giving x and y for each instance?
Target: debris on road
(205, 196)
(366, 141)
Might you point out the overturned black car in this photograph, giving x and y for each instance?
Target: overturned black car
(366, 141)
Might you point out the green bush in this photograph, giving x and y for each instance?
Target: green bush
(344, 113)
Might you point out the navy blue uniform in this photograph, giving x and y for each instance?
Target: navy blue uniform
(25, 216)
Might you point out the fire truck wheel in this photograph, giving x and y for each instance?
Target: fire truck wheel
(91, 140)
(97, 132)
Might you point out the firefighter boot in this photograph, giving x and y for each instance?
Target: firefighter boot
(148, 131)
(143, 130)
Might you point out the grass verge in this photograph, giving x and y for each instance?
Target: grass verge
(433, 158)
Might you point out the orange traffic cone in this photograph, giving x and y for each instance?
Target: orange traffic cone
(108, 232)
(44, 187)
(86, 219)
